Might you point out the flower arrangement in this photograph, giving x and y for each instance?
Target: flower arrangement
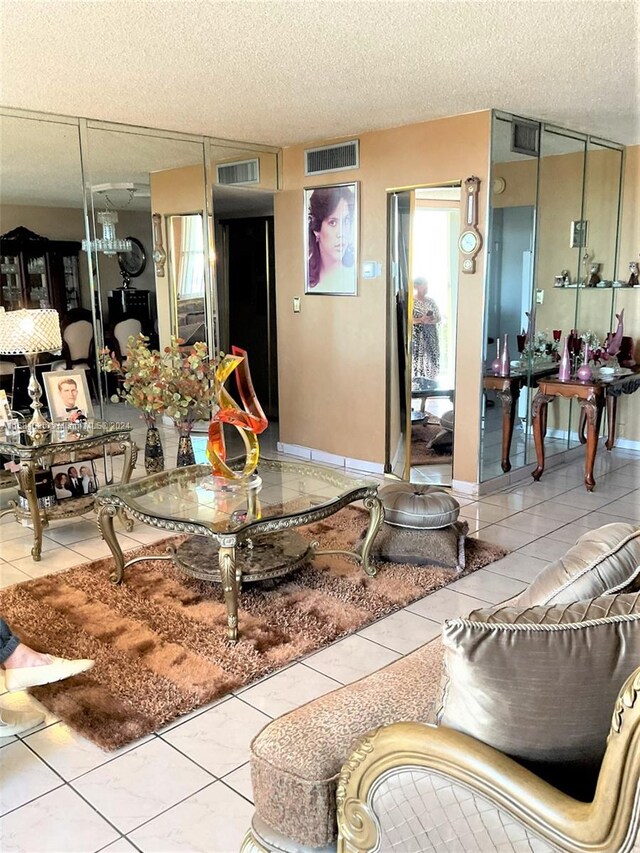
(179, 381)
(540, 346)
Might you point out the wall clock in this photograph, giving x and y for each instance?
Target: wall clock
(470, 240)
(133, 263)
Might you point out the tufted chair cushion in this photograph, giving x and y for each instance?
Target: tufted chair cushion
(424, 507)
(602, 562)
(539, 683)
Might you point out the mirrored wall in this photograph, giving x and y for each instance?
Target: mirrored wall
(551, 254)
(162, 196)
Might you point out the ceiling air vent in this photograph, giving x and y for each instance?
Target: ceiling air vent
(332, 158)
(240, 172)
(524, 137)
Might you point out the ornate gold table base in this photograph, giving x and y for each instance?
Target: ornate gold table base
(261, 557)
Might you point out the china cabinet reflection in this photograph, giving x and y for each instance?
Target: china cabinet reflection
(36, 272)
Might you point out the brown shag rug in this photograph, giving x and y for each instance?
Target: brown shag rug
(159, 639)
(422, 434)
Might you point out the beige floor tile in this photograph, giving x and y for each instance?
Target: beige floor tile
(288, 689)
(488, 586)
(68, 753)
(557, 509)
(546, 549)
(58, 821)
(10, 575)
(52, 561)
(518, 566)
(214, 820)
(95, 549)
(446, 604)
(16, 549)
(505, 536)
(219, 739)
(23, 777)
(73, 532)
(13, 529)
(240, 781)
(119, 846)
(401, 632)
(528, 522)
(570, 533)
(352, 658)
(141, 784)
(485, 512)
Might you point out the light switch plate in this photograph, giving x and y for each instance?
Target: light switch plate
(539, 296)
(296, 304)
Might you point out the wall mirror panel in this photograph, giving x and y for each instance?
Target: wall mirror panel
(424, 224)
(505, 440)
(552, 245)
(59, 176)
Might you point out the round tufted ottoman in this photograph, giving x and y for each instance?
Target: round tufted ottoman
(421, 507)
(420, 528)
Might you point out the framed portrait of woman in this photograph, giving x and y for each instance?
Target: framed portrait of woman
(68, 395)
(331, 240)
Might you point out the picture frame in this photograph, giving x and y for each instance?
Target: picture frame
(68, 395)
(579, 233)
(74, 479)
(331, 228)
(5, 408)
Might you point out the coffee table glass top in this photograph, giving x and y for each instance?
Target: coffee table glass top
(280, 489)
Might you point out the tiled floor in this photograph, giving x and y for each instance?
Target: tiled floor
(187, 787)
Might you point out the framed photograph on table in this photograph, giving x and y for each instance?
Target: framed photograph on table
(331, 240)
(68, 395)
(74, 479)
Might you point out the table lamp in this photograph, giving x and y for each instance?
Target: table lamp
(28, 333)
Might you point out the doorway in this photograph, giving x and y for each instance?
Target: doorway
(424, 224)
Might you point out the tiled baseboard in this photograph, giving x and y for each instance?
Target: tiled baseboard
(324, 458)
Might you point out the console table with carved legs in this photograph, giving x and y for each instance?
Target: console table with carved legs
(507, 389)
(238, 531)
(63, 443)
(592, 396)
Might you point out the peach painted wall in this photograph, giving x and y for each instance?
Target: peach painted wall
(332, 354)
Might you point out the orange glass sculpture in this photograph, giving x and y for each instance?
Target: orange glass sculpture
(249, 422)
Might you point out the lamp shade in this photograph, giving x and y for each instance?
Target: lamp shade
(25, 331)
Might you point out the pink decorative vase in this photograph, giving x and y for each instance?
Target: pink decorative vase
(505, 359)
(495, 364)
(584, 373)
(564, 373)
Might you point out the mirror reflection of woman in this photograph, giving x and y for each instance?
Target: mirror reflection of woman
(331, 252)
(424, 341)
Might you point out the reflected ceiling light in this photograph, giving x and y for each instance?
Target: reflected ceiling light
(109, 243)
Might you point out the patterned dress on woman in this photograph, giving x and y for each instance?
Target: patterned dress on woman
(425, 346)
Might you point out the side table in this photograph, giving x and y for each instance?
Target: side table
(42, 452)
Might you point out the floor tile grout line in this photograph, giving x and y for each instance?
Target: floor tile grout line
(168, 809)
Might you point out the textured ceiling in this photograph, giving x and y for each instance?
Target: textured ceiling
(285, 72)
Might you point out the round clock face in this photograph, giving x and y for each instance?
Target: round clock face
(133, 262)
(468, 242)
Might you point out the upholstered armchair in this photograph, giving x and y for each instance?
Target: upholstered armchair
(523, 695)
(415, 788)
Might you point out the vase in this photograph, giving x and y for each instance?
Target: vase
(153, 453)
(505, 359)
(564, 372)
(495, 364)
(186, 455)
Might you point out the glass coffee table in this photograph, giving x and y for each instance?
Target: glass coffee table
(239, 532)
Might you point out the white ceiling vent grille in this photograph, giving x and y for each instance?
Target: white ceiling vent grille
(240, 172)
(524, 137)
(332, 158)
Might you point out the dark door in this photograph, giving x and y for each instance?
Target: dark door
(251, 301)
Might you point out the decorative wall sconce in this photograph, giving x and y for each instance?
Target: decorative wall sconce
(159, 254)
